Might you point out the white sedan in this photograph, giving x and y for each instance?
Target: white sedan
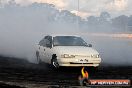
(66, 51)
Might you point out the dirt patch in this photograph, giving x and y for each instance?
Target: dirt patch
(20, 73)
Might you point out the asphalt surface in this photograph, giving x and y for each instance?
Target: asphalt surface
(19, 73)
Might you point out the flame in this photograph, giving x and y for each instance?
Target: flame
(84, 78)
(84, 74)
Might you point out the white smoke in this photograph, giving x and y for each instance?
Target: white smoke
(87, 7)
(21, 28)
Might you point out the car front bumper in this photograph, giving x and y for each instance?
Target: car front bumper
(79, 62)
(78, 65)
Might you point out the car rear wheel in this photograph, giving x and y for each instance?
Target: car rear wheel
(38, 61)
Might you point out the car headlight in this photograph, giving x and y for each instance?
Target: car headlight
(67, 56)
(95, 56)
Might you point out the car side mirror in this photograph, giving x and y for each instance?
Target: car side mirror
(89, 45)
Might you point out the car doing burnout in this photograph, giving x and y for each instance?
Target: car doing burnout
(66, 51)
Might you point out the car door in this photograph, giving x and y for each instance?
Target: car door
(48, 49)
(42, 45)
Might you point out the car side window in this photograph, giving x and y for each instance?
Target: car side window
(48, 41)
(43, 42)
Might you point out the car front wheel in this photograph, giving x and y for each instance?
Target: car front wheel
(55, 63)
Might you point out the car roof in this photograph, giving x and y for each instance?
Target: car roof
(53, 35)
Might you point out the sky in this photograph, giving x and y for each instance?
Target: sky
(86, 7)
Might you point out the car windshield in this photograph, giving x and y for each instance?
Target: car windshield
(68, 41)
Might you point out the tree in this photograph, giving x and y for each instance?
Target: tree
(120, 22)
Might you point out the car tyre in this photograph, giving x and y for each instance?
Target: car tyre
(54, 63)
(38, 61)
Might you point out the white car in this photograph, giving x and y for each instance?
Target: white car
(66, 50)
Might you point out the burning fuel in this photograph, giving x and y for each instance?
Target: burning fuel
(84, 78)
(84, 74)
